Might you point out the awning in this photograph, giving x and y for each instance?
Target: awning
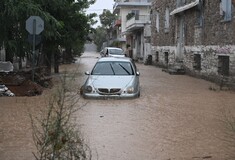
(185, 7)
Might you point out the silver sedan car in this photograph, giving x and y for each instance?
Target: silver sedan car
(112, 77)
(113, 52)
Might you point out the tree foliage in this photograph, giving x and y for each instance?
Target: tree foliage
(107, 18)
(100, 37)
(102, 33)
(66, 25)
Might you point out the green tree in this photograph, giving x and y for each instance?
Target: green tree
(66, 25)
(106, 19)
(13, 35)
(100, 37)
(73, 31)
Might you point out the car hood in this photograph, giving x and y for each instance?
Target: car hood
(110, 81)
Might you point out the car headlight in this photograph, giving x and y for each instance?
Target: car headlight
(88, 89)
(130, 90)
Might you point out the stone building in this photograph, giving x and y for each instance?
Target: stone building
(197, 35)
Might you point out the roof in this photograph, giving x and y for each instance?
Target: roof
(113, 48)
(185, 7)
(119, 5)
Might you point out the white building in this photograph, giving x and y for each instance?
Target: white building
(133, 26)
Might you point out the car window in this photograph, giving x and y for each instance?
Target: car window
(113, 68)
(115, 51)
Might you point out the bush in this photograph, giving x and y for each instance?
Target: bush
(56, 137)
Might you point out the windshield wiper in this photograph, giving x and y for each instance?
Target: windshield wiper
(112, 68)
(124, 69)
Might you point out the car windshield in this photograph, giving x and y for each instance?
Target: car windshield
(115, 51)
(113, 68)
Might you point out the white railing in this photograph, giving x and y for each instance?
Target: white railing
(136, 20)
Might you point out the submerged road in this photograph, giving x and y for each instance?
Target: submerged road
(177, 117)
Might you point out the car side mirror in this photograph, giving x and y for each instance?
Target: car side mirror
(138, 73)
(87, 73)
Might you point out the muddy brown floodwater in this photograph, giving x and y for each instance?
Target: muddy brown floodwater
(176, 117)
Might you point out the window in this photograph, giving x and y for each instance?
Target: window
(151, 15)
(157, 56)
(113, 68)
(199, 13)
(166, 58)
(197, 61)
(136, 13)
(167, 20)
(115, 51)
(157, 22)
(133, 13)
(223, 65)
(226, 10)
(133, 41)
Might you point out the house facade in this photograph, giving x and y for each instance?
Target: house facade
(133, 26)
(199, 35)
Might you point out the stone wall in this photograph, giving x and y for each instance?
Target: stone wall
(162, 38)
(205, 34)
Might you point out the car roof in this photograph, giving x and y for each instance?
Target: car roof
(118, 59)
(113, 48)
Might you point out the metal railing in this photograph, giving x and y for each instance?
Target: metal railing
(138, 19)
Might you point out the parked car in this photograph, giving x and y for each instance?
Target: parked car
(113, 52)
(112, 77)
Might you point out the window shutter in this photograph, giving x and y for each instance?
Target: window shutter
(167, 19)
(157, 22)
(229, 10)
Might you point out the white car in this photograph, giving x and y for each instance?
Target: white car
(113, 52)
(112, 77)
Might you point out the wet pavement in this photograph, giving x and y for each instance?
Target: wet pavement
(177, 117)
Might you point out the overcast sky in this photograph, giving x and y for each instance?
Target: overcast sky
(99, 6)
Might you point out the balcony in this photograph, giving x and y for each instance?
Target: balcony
(137, 22)
(130, 3)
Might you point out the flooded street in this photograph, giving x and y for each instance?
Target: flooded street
(177, 117)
